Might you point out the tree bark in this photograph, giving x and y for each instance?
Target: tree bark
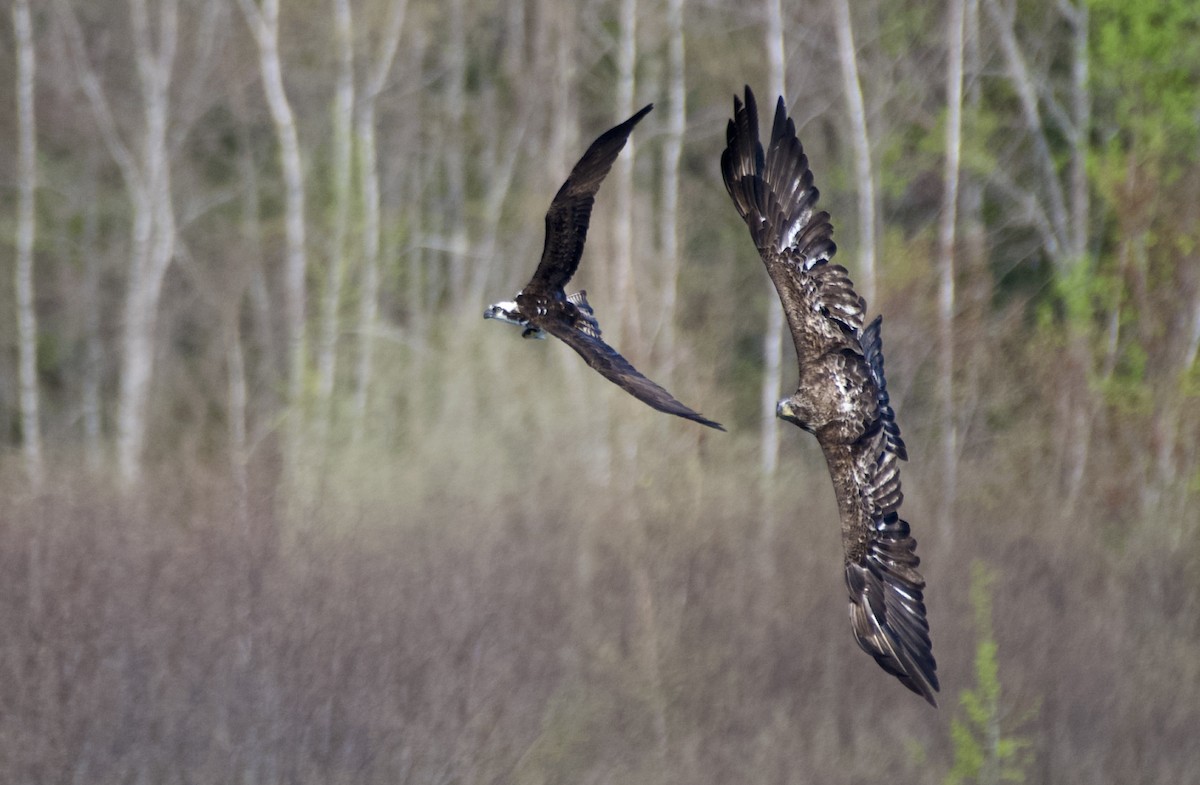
(343, 153)
(946, 266)
(147, 178)
(672, 154)
(1054, 204)
(264, 25)
(863, 171)
(773, 339)
(625, 324)
(368, 175)
(31, 429)
(453, 149)
(93, 364)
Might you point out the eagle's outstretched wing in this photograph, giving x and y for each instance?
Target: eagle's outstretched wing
(571, 210)
(775, 195)
(605, 359)
(774, 192)
(887, 606)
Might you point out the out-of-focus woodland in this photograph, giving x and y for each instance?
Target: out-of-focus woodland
(280, 507)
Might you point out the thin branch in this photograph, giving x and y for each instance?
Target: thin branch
(96, 97)
(1026, 94)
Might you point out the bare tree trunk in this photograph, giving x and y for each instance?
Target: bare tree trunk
(1081, 120)
(503, 154)
(1083, 413)
(672, 154)
(31, 429)
(624, 291)
(946, 239)
(148, 180)
(270, 366)
(368, 175)
(1064, 236)
(564, 132)
(239, 447)
(141, 315)
(264, 25)
(343, 152)
(1056, 242)
(454, 143)
(773, 340)
(93, 363)
(848, 58)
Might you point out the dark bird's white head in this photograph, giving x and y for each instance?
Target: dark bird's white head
(507, 311)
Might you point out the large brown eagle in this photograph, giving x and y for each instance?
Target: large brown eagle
(543, 306)
(842, 396)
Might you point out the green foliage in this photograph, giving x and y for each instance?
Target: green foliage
(984, 750)
(1146, 61)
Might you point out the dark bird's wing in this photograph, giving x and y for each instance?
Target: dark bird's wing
(774, 193)
(569, 213)
(619, 371)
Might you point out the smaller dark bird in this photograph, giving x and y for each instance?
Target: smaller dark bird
(543, 306)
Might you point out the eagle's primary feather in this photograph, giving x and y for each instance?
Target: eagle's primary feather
(842, 395)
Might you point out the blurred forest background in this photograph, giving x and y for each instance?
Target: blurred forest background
(280, 507)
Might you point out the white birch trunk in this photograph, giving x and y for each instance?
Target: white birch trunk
(264, 25)
(773, 340)
(257, 288)
(946, 266)
(343, 152)
(863, 172)
(368, 175)
(93, 366)
(1083, 413)
(672, 154)
(31, 430)
(1055, 205)
(156, 236)
(147, 179)
(454, 142)
(624, 291)
(239, 447)
(564, 132)
(1081, 120)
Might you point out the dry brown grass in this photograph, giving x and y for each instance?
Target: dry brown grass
(465, 599)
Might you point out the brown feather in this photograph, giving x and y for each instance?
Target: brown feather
(842, 395)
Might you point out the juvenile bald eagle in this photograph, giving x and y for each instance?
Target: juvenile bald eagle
(842, 395)
(543, 306)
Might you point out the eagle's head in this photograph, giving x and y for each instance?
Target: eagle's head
(786, 410)
(507, 311)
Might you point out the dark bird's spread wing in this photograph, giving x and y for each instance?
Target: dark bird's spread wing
(569, 213)
(842, 390)
(602, 357)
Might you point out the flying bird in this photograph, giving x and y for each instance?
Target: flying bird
(842, 395)
(543, 306)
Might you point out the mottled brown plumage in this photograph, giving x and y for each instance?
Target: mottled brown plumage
(841, 396)
(543, 306)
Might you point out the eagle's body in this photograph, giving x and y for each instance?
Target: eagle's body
(841, 397)
(543, 306)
